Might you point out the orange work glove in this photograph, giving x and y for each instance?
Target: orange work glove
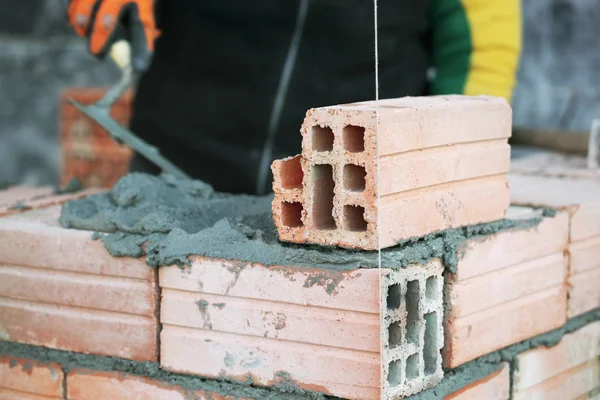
(103, 22)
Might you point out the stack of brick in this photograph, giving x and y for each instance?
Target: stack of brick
(367, 333)
(311, 328)
(87, 151)
(412, 165)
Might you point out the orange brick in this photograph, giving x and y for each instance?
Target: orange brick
(508, 287)
(88, 385)
(337, 203)
(495, 386)
(25, 379)
(565, 371)
(61, 289)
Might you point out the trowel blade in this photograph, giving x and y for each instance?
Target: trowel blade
(122, 135)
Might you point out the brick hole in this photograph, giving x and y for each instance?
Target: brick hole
(412, 367)
(355, 177)
(291, 214)
(395, 334)
(323, 185)
(291, 173)
(394, 376)
(432, 288)
(393, 297)
(430, 352)
(354, 218)
(354, 138)
(412, 309)
(322, 138)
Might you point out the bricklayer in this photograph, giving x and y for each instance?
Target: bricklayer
(509, 287)
(61, 289)
(568, 370)
(337, 201)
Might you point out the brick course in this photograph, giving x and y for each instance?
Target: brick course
(495, 386)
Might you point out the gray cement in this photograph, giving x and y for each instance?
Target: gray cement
(168, 219)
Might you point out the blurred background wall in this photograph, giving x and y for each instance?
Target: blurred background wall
(39, 55)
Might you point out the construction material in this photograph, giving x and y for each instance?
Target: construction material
(87, 151)
(329, 196)
(100, 112)
(593, 155)
(60, 289)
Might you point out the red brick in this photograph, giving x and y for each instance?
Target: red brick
(337, 204)
(495, 386)
(61, 289)
(89, 385)
(565, 371)
(508, 287)
(26, 379)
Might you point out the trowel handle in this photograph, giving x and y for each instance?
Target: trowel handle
(120, 52)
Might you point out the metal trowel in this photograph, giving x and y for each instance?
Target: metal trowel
(120, 52)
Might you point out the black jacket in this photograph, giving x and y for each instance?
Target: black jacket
(207, 98)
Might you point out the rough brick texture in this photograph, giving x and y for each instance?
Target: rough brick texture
(61, 289)
(508, 287)
(88, 152)
(412, 333)
(89, 385)
(569, 370)
(580, 197)
(328, 195)
(495, 386)
(317, 328)
(30, 380)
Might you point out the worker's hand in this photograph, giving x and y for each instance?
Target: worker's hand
(104, 22)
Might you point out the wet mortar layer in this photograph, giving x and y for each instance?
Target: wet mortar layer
(283, 389)
(168, 219)
(457, 378)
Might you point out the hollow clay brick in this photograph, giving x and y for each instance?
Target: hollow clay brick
(567, 370)
(495, 386)
(584, 292)
(89, 385)
(337, 203)
(316, 328)
(26, 379)
(61, 289)
(509, 286)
